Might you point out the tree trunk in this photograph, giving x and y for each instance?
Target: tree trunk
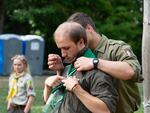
(1, 15)
(146, 55)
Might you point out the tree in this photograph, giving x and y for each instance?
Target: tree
(117, 19)
(1, 15)
(146, 55)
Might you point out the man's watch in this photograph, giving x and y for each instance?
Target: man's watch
(95, 62)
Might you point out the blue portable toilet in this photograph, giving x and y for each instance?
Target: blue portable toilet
(10, 45)
(33, 49)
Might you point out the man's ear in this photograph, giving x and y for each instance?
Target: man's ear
(89, 28)
(81, 41)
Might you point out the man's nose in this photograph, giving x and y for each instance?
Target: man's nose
(63, 53)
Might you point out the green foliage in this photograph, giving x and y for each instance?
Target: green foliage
(116, 19)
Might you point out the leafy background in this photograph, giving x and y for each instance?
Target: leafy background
(117, 19)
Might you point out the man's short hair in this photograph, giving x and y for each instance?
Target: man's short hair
(73, 30)
(83, 19)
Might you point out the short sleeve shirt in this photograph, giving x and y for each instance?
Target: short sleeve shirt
(112, 50)
(115, 50)
(25, 88)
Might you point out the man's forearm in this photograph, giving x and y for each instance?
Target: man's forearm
(46, 93)
(94, 104)
(117, 69)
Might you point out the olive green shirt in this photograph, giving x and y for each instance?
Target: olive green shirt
(129, 96)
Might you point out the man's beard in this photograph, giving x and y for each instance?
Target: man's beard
(80, 53)
(66, 61)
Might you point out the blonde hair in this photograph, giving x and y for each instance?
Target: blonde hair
(23, 59)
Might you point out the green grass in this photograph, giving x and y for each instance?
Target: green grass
(38, 103)
(141, 110)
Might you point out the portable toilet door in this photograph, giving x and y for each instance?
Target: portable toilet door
(12, 45)
(1, 57)
(34, 52)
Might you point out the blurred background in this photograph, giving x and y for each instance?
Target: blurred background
(117, 19)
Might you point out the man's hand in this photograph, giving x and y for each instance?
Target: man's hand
(83, 64)
(50, 83)
(53, 81)
(70, 82)
(55, 63)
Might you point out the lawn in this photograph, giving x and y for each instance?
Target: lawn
(141, 91)
(38, 103)
(37, 106)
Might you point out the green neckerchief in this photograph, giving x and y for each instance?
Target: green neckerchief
(86, 52)
(59, 92)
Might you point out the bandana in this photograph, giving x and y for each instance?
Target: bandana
(14, 88)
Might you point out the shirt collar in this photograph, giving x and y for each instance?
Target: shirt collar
(18, 76)
(102, 44)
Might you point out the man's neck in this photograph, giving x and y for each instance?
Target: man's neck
(80, 53)
(86, 52)
(95, 40)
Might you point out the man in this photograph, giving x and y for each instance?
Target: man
(115, 58)
(87, 91)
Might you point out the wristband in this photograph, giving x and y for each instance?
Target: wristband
(73, 87)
